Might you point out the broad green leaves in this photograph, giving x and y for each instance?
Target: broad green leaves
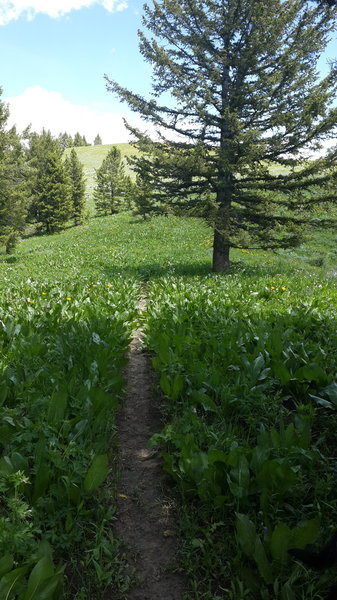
(62, 352)
(97, 473)
(250, 380)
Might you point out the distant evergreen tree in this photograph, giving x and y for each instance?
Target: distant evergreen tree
(65, 140)
(97, 140)
(129, 192)
(79, 140)
(144, 197)
(41, 145)
(110, 183)
(53, 194)
(14, 183)
(77, 186)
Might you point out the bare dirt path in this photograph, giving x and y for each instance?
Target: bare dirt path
(145, 515)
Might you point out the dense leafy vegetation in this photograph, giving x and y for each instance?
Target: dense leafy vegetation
(248, 363)
(64, 331)
(62, 353)
(67, 309)
(249, 367)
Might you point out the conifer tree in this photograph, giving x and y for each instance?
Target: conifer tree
(79, 140)
(65, 140)
(144, 198)
(53, 195)
(110, 183)
(41, 145)
(77, 186)
(14, 183)
(97, 140)
(246, 107)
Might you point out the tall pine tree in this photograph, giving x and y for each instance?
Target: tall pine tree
(244, 106)
(111, 183)
(41, 145)
(14, 183)
(77, 186)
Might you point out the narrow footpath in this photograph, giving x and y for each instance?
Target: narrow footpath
(145, 516)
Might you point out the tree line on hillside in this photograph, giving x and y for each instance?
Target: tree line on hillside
(67, 141)
(43, 187)
(36, 184)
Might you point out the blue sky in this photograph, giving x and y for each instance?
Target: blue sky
(54, 55)
(53, 72)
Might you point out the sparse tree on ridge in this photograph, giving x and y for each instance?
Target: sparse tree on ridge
(77, 186)
(110, 183)
(79, 140)
(246, 101)
(14, 183)
(97, 140)
(65, 140)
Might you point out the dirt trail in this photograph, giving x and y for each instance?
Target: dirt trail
(145, 519)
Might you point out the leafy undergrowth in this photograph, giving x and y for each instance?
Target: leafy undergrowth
(249, 364)
(62, 351)
(249, 367)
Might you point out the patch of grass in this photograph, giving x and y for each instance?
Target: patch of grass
(110, 247)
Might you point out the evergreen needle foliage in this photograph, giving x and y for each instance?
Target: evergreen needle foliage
(53, 195)
(245, 106)
(97, 140)
(110, 183)
(14, 183)
(77, 184)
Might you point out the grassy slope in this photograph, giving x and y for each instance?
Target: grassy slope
(124, 245)
(107, 247)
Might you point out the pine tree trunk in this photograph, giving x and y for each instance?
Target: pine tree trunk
(221, 250)
(221, 244)
(221, 241)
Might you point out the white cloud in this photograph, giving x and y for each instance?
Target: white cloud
(13, 9)
(43, 108)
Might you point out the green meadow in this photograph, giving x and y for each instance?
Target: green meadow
(246, 365)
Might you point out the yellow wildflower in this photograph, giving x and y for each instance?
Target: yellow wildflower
(69, 299)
